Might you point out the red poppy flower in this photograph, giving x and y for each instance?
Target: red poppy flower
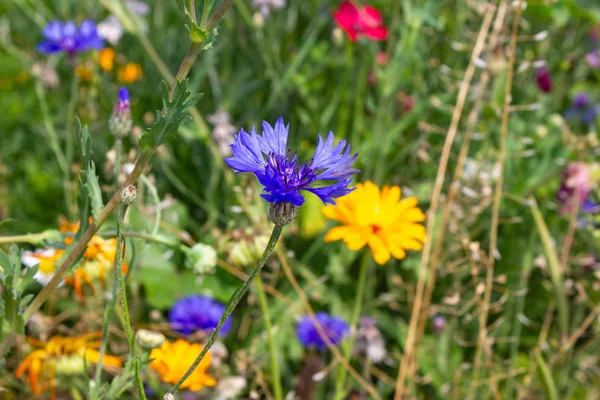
(360, 21)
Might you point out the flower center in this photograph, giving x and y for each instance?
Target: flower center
(68, 44)
(287, 172)
(375, 229)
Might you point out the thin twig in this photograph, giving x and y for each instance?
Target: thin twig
(482, 342)
(409, 347)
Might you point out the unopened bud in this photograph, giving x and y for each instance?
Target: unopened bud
(149, 339)
(128, 195)
(282, 213)
(169, 396)
(120, 120)
(202, 259)
(439, 324)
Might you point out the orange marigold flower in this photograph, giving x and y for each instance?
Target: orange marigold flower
(107, 59)
(129, 73)
(389, 226)
(172, 360)
(61, 356)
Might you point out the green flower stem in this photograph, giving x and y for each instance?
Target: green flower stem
(32, 238)
(119, 257)
(264, 307)
(77, 249)
(128, 327)
(118, 150)
(186, 65)
(348, 346)
(233, 302)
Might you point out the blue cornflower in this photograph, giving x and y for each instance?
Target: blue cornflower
(279, 171)
(336, 328)
(67, 37)
(197, 313)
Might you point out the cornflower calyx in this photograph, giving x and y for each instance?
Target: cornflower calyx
(282, 176)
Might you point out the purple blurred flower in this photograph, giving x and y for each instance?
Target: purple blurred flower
(282, 175)
(335, 328)
(439, 324)
(582, 109)
(543, 78)
(197, 313)
(593, 59)
(59, 37)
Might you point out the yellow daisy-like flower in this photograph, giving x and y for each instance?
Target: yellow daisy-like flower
(98, 259)
(61, 356)
(107, 59)
(172, 360)
(129, 73)
(389, 226)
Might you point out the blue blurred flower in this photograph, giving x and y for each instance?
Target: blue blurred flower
(336, 328)
(197, 313)
(282, 175)
(583, 109)
(67, 37)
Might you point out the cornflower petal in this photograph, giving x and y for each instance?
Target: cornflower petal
(282, 176)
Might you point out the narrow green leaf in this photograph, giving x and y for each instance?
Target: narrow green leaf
(85, 141)
(173, 114)
(93, 189)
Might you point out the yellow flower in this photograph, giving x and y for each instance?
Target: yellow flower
(377, 218)
(84, 73)
(172, 360)
(129, 73)
(98, 259)
(61, 355)
(107, 59)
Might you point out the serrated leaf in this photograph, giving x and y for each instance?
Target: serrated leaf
(93, 189)
(6, 265)
(211, 39)
(174, 113)
(14, 255)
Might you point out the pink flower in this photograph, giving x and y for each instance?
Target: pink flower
(360, 21)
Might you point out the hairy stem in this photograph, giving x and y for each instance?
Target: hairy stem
(233, 302)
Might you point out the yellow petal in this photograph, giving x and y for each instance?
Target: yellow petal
(337, 233)
(381, 254)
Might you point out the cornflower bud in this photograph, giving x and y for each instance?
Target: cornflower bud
(120, 120)
(128, 195)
